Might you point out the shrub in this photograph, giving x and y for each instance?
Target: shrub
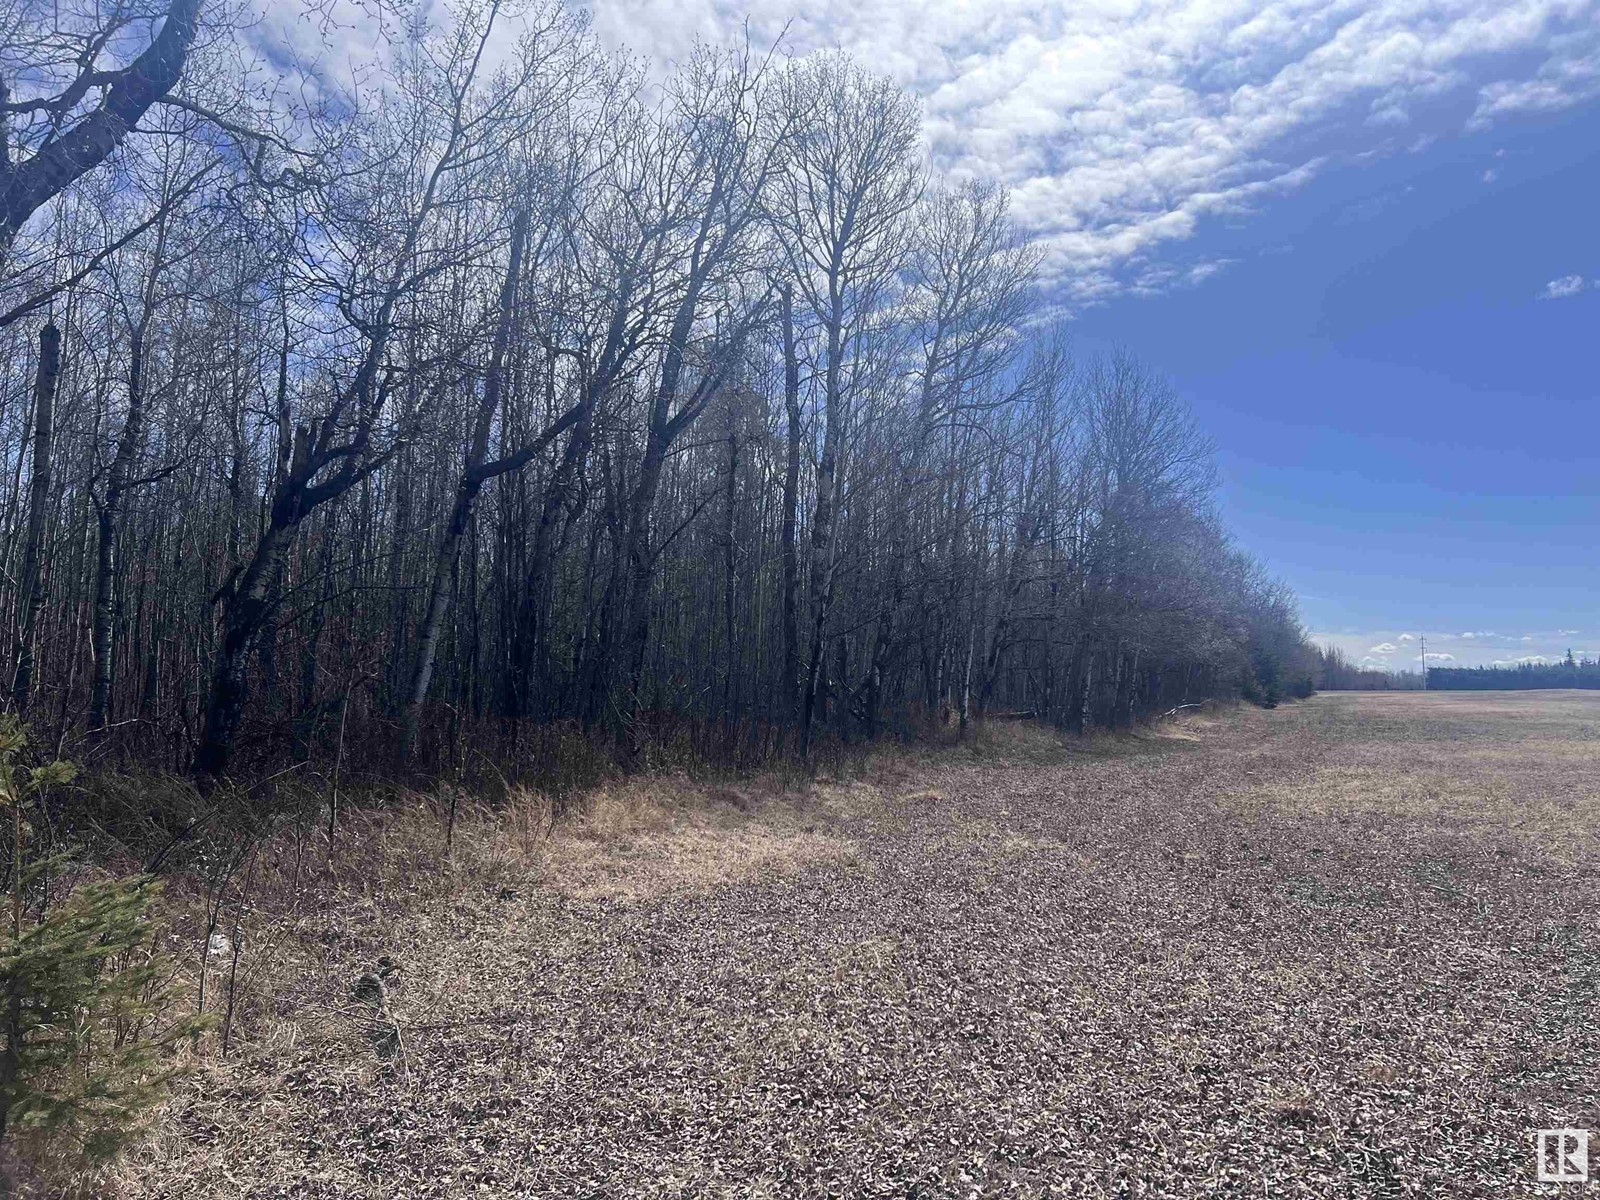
(84, 998)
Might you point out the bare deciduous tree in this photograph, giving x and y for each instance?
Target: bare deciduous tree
(478, 397)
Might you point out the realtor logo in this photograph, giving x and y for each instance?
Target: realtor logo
(1563, 1156)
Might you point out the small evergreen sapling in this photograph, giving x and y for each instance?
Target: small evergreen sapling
(85, 1003)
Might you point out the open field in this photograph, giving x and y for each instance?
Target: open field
(1343, 948)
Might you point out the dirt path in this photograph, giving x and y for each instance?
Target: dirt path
(1344, 948)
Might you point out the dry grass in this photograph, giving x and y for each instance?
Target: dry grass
(641, 839)
(1344, 948)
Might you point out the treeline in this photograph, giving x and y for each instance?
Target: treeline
(464, 401)
(1334, 672)
(1569, 673)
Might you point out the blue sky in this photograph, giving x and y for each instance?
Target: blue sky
(1408, 424)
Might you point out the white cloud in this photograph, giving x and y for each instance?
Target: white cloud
(1385, 648)
(1569, 75)
(1123, 129)
(1491, 175)
(1408, 637)
(1560, 289)
(1567, 632)
(1437, 656)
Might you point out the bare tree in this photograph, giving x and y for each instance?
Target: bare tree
(703, 169)
(177, 182)
(47, 373)
(323, 460)
(851, 177)
(971, 274)
(52, 137)
(470, 400)
(794, 434)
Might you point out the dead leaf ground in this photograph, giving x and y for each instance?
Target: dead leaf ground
(1347, 948)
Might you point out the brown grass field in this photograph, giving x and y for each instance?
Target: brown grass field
(1344, 948)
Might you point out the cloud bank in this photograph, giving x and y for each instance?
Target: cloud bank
(1123, 128)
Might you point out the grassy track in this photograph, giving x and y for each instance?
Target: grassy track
(1344, 948)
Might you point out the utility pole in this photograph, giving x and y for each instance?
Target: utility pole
(1424, 641)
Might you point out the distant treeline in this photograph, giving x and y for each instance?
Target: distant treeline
(1336, 673)
(1569, 673)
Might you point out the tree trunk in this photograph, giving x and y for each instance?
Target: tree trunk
(822, 543)
(32, 589)
(107, 585)
(730, 568)
(1010, 590)
(471, 483)
(639, 574)
(1073, 701)
(245, 608)
(639, 550)
(1127, 676)
(533, 610)
(444, 565)
(791, 506)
